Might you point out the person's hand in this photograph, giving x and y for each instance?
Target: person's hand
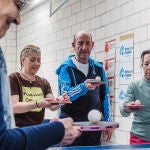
(54, 119)
(129, 109)
(63, 97)
(54, 107)
(71, 132)
(91, 86)
(106, 134)
(46, 104)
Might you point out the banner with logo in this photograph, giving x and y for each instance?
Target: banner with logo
(122, 92)
(110, 49)
(126, 63)
(125, 72)
(110, 72)
(110, 63)
(126, 48)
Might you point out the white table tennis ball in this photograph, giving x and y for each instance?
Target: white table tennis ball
(138, 101)
(94, 116)
(98, 78)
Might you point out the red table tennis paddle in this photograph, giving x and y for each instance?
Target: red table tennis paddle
(59, 101)
(134, 106)
(94, 81)
(102, 125)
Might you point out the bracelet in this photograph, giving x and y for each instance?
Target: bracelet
(37, 104)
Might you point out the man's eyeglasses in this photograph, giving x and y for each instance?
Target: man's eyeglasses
(20, 4)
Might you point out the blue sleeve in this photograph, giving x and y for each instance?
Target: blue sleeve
(106, 104)
(37, 137)
(32, 138)
(64, 84)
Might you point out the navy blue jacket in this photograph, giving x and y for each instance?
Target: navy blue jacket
(71, 81)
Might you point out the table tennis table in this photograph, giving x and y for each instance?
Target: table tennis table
(114, 147)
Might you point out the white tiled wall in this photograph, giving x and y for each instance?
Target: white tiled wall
(105, 19)
(8, 44)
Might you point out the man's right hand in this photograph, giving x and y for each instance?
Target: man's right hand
(91, 86)
(71, 132)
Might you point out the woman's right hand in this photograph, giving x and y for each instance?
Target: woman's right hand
(91, 86)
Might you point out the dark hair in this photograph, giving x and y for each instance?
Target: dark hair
(143, 54)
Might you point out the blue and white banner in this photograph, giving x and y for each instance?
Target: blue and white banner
(125, 63)
(121, 94)
(125, 73)
(126, 48)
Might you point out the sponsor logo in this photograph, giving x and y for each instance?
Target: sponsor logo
(124, 73)
(126, 51)
(121, 95)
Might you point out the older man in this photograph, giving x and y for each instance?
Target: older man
(85, 96)
(29, 138)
